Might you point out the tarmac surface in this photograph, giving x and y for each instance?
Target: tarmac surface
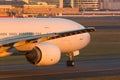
(84, 68)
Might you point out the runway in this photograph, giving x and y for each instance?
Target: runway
(84, 68)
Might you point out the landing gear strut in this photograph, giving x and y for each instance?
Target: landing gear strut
(70, 62)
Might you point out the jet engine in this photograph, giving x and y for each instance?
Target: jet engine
(44, 54)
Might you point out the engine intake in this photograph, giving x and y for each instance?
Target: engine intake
(34, 56)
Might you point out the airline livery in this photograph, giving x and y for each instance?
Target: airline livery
(43, 39)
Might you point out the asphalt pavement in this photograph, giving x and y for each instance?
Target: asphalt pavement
(84, 68)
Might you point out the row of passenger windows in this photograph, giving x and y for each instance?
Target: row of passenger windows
(13, 34)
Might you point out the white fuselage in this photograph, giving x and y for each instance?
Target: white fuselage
(13, 27)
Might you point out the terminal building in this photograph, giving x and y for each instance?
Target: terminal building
(25, 7)
(110, 4)
(82, 4)
(87, 4)
(9, 8)
(54, 7)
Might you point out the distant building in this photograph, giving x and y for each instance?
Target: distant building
(110, 4)
(4, 9)
(66, 3)
(41, 8)
(44, 9)
(87, 4)
(13, 3)
(11, 8)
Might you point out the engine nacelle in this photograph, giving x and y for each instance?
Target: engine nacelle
(44, 54)
(5, 54)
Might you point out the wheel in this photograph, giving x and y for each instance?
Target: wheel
(70, 63)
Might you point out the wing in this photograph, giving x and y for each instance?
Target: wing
(26, 43)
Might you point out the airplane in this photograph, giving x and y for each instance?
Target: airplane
(43, 39)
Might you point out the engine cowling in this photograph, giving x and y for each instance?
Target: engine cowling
(44, 54)
(5, 54)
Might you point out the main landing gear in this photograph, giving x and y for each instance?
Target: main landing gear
(70, 62)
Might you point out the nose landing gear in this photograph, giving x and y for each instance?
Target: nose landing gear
(70, 62)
